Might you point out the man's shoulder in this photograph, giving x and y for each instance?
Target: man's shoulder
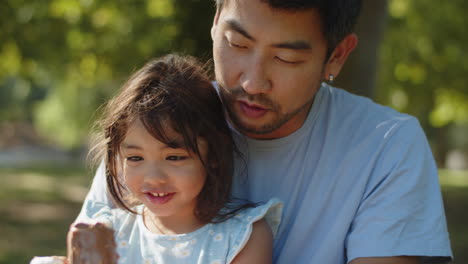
(361, 111)
(349, 102)
(355, 120)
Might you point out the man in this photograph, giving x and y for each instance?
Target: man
(358, 180)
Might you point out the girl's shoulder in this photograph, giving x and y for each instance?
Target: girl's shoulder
(239, 227)
(270, 211)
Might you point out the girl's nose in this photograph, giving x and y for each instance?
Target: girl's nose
(156, 173)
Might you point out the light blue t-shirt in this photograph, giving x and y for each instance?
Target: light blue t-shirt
(357, 180)
(211, 244)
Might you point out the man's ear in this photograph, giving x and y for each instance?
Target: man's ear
(339, 55)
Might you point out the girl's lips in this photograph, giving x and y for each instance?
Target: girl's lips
(252, 111)
(159, 199)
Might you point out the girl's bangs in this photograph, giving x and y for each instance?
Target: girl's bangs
(163, 127)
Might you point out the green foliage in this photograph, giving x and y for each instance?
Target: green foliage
(60, 59)
(424, 61)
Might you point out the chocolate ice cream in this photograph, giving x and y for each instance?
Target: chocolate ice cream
(91, 244)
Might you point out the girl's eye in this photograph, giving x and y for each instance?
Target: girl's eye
(176, 158)
(134, 158)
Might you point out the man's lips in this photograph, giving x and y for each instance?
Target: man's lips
(252, 110)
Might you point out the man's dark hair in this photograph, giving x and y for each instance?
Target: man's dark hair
(338, 16)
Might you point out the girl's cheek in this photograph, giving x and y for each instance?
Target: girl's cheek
(130, 175)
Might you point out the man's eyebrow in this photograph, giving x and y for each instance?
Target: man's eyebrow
(234, 25)
(294, 45)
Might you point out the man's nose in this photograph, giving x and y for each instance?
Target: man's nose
(254, 78)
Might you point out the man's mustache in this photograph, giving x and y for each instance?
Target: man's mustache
(262, 99)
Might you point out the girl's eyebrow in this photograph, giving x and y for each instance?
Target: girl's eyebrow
(130, 146)
(174, 143)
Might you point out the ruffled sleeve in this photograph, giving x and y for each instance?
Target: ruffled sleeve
(242, 224)
(103, 214)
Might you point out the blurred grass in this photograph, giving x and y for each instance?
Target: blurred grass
(38, 204)
(455, 192)
(36, 207)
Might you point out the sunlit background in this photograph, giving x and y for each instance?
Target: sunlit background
(61, 59)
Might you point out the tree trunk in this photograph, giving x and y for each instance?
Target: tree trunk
(359, 73)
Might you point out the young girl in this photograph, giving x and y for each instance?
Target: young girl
(169, 158)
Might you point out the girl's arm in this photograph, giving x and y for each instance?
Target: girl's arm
(259, 248)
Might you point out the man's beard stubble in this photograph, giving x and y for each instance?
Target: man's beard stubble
(229, 97)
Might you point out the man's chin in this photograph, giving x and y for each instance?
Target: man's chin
(252, 128)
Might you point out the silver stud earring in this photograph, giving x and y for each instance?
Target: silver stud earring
(331, 78)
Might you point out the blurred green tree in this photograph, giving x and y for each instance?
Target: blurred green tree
(360, 71)
(424, 63)
(60, 59)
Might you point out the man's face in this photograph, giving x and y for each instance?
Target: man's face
(269, 65)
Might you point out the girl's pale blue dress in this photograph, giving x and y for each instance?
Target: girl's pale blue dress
(210, 244)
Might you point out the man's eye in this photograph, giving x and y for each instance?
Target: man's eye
(134, 158)
(233, 45)
(287, 61)
(176, 158)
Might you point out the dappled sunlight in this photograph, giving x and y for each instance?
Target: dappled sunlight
(453, 178)
(43, 183)
(32, 212)
(37, 206)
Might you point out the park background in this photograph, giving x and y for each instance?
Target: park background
(61, 59)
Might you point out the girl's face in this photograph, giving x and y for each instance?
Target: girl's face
(165, 178)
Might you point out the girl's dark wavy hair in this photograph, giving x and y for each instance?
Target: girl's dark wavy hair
(172, 90)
